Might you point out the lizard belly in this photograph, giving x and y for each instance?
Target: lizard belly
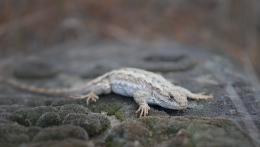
(124, 88)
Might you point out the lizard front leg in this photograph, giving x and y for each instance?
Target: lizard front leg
(140, 98)
(199, 96)
(91, 93)
(195, 96)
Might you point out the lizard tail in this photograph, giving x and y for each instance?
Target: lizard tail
(50, 91)
(35, 89)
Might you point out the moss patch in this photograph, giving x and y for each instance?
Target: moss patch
(94, 124)
(61, 133)
(110, 109)
(178, 131)
(29, 116)
(13, 133)
(72, 108)
(48, 119)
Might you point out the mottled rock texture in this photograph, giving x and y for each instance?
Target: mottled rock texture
(36, 120)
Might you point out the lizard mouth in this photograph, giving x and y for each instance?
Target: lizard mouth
(179, 107)
(175, 105)
(183, 107)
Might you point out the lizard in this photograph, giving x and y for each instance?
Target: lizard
(144, 86)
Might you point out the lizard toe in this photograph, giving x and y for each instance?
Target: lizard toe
(91, 97)
(144, 110)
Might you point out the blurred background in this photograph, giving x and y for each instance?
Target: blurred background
(229, 27)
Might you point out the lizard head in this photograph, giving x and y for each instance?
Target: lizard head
(172, 100)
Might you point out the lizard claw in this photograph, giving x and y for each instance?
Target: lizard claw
(91, 97)
(143, 109)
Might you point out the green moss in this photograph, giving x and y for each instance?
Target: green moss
(72, 108)
(94, 124)
(111, 143)
(216, 133)
(61, 133)
(178, 131)
(127, 133)
(33, 131)
(172, 129)
(48, 119)
(150, 122)
(110, 109)
(13, 133)
(29, 116)
(120, 115)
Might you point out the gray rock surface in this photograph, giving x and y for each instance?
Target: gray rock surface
(231, 119)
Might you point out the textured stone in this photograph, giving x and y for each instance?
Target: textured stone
(178, 131)
(13, 133)
(94, 124)
(61, 133)
(49, 119)
(72, 108)
(62, 143)
(35, 69)
(29, 116)
(196, 70)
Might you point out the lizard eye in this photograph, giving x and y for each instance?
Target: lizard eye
(172, 99)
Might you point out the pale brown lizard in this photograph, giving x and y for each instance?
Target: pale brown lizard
(144, 86)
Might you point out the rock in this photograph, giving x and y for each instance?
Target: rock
(72, 108)
(13, 133)
(35, 69)
(61, 102)
(165, 58)
(61, 133)
(33, 131)
(182, 139)
(94, 124)
(110, 109)
(177, 131)
(196, 70)
(216, 133)
(48, 119)
(95, 71)
(128, 133)
(168, 63)
(10, 108)
(62, 143)
(6, 116)
(5, 121)
(29, 116)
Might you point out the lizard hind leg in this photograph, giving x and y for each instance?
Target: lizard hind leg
(91, 93)
(194, 96)
(91, 96)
